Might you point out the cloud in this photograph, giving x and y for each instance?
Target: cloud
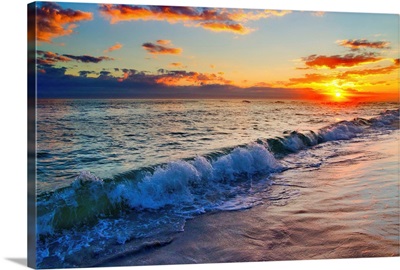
(173, 77)
(53, 21)
(176, 64)
(334, 61)
(236, 28)
(310, 78)
(52, 72)
(163, 42)
(54, 83)
(115, 47)
(47, 58)
(88, 58)
(214, 19)
(159, 48)
(178, 77)
(50, 58)
(105, 73)
(347, 76)
(357, 44)
(261, 84)
(84, 73)
(371, 71)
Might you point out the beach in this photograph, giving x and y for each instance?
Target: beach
(348, 208)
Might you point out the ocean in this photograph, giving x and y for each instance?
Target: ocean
(137, 182)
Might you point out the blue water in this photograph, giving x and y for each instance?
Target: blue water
(117, 171)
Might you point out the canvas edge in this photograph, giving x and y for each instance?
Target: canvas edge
(31, 136)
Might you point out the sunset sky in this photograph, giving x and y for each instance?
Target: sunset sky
(128, 51)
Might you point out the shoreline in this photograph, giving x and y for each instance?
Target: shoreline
(345, 209)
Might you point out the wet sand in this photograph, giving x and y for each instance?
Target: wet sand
(347, 208)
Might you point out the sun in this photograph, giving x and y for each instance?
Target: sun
(338, 95)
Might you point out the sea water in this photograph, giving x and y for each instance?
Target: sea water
(118, 175)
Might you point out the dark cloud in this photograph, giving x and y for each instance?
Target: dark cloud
(334, 61)
(160, 48)
(54, 83)
(53, 72)
(51, 58)
(87, 58)
(53, 21)
(84, 73)
(356, 44)
(104, 73)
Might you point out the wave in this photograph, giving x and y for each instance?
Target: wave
(204, 182)
(174, 184)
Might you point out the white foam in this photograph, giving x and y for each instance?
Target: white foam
(341, 131)
(179, 182)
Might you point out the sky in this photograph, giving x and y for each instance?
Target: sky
(136, 51)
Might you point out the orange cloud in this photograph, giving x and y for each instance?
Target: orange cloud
(356, 44)
(371, 71)
(334, 61)
(50, 58)
(310, 78)
(115, 47)
(351, 76)
(173, 78)
(228, 20)
(160, 49)
(54, 21)
(164, 42)
(225, 27)
(184, 78)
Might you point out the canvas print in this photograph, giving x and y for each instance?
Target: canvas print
(183, 135)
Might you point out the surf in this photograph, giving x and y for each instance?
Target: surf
(166, 195)
(187, 182)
